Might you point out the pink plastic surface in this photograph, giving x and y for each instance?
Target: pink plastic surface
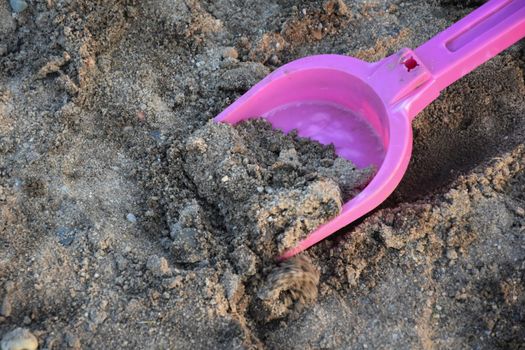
(366, 109)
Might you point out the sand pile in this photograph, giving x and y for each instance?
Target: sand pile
(111, 235)
(269, 189)
(248, 194)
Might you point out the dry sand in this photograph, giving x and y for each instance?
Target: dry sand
(96, 97)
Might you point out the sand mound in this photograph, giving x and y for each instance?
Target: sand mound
(111, 237)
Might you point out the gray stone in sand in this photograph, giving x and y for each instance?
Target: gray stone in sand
(131, 218)
(19, 339)
(18, 5)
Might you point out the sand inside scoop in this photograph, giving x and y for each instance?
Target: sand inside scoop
(271, 189)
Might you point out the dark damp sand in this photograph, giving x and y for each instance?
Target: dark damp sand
(97, 101)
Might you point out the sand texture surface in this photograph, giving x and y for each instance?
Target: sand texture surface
(112, 237)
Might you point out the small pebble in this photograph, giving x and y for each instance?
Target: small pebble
(451, 254)
(274, 60)
(230, 52)
(19, 339)
(18, 5)
(520, 211)
(131, 218)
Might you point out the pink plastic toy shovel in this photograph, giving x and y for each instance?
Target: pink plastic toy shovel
(366, 109)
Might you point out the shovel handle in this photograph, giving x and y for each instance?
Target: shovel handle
(467, 44)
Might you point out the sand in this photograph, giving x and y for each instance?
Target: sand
(250, 193)
(267, 189)
(97, 101)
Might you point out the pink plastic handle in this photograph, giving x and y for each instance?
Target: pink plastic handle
(467, 44)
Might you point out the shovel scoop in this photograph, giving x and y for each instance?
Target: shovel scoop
(365, 109)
